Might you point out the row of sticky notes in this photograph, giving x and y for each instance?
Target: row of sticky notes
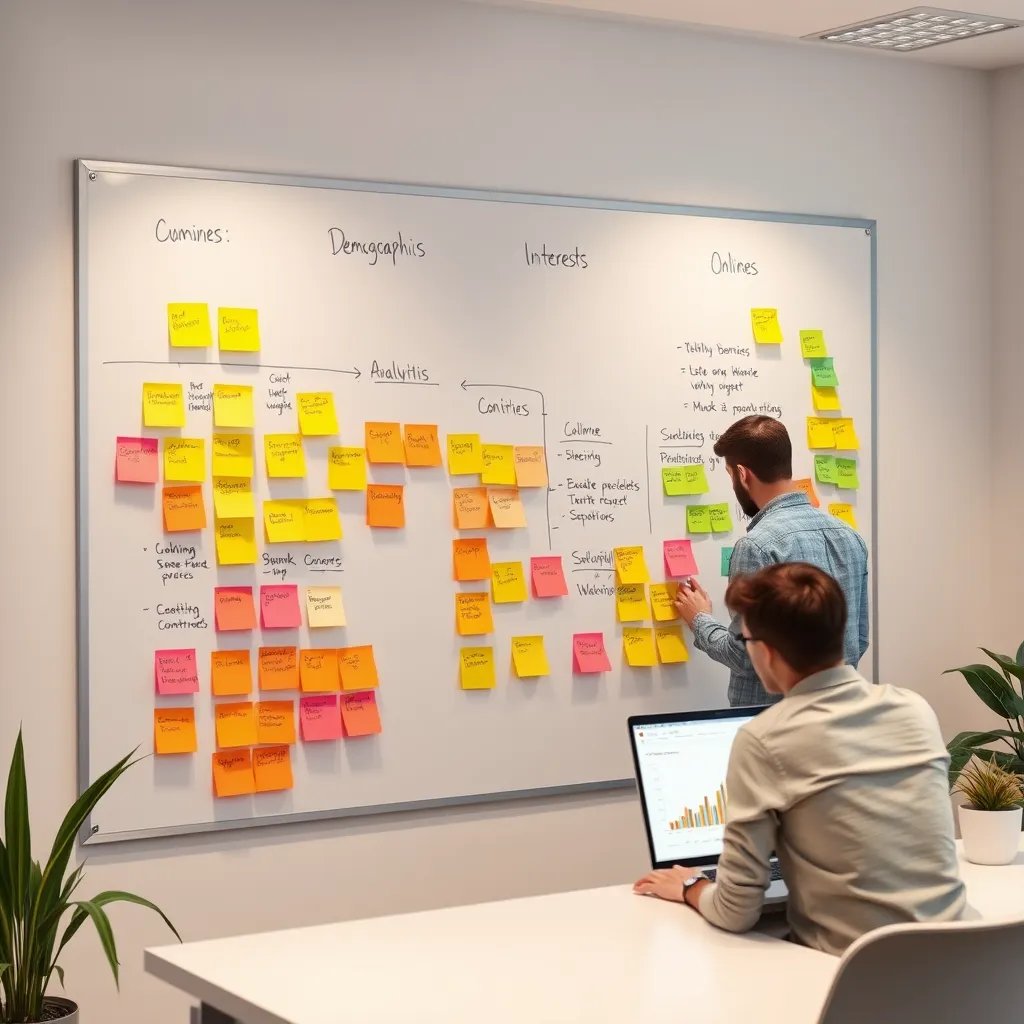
(708, 518)
(246, 772)
(764, 323)
(471, 562)
(631, 565)
(829, 469)
(678, 480)
(631, 602)
(831, 433)
(188, 326)
(479, 508)
(299, 520)
(501, 464)
(234, 608)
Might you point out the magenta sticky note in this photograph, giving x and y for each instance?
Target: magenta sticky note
(279, 606)
(588, 653)
(136, 460)
(679, 560)
(319, 718)
(176, 671)
(547, 577)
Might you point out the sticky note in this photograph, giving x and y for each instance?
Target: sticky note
(421, 445)
(279, 606)
(319, 718)
(284, 521)
(698, 518)
(184, 508)
(230, 673)
(135, 460)
(684, 480)
(472, 509)
(163, 405)
(232, 455)
(638, 647)
(320, 520)
(233, 609)
(531, 466)
(846, 474)
(721, 519)
(823, 373)
(232, 498)
(473, 614)
(232, 773)
(385, 505)
(346, 469)
(284, 455)
(508, 583)
(820, 432)
(631, 602)
(588, 653)
(324, 607)
(176, 671)
(236, 724)
(188, 325)
(663, 596)
(275, 721)
(679, 559)
(529, 657)
(470, 560)
(318, 669)
(464, 454)
(844, 511)
(384, 443)
(825, 399)
(358, 668)
(812, 345)
(630, 566)
(236, 541)
(232, 405)
(765, 324)
(845, 435)
(272, 767)
(238, 330)
(174, 731)
(360, 714)
(279, 668)
(807, 487)
(671, 645)
(825, 470)
(726, 561)
(499, 464)
(506, 507)
(476, 668)
(548, 577)
(317, 417)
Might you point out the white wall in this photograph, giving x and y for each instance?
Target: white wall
(444, 93)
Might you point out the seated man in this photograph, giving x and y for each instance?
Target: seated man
(844, 780)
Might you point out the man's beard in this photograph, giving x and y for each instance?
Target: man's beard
(746, 501)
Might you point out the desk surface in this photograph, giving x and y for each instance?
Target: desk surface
(599, 955)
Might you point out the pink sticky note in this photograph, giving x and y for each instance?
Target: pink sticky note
(679, 560)
(360, 714)
(548, 577)
(588, 653)
(233, 608)
(136, 460)
(176, 671)
(279, 607)
(319, 718)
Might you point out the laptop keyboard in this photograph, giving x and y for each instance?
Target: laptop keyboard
(776, 875)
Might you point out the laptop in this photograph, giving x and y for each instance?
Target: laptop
(680, 761)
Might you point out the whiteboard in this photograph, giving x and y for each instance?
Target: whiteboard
(616, 335)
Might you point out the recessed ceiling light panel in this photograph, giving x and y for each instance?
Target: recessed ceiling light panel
(915, 29)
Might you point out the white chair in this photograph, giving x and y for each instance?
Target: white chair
(930, 974)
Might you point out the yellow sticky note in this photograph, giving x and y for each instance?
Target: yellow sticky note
(174, 730)
(421, 445)
(529, 657)
(284, 521)
(671, 645)
(284, 455)
(465, 454)
(238, 330)
(531, 466)
(384, 443)
(232, 498)
(499, 464)
(631, 602)
(316, 413)
(638, 647)
(845, 435)
(236, 724)
(506, 507)
(508, 582)
(630, 566)
(185, 459)
(324, 607)
(236, 541)
(662, 597)
(820, 432)
(346, 469)
(232, 455)
(163, 405)
(476, 668)
(232, 405)
(812, 344)
(843, 510)
(321, 520)
(473, 614)
(825, 399)
(765, 323)
(188, 325)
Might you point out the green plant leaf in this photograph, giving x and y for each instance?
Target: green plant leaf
(16, 830)
(60, 974)
(957, 759)
(99, 918)
(980, 739)
(1020, 655)
(993, 689)
(1006, 663)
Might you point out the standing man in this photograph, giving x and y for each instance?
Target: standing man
(784, 527)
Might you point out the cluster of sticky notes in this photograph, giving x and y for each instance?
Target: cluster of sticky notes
(301, 520)
(188, 326)
(504, 465)
(832, 433)
(245, 772)
(329, 717)
(135, 460)
(417, 445)
(477, 670)
(480, 508)
(765, 324)
(708, 518)
(830, 469)
(678, 480)
(643, 647)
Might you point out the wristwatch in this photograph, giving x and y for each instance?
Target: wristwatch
(691, 882)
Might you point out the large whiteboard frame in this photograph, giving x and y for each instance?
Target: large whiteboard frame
(86, 169)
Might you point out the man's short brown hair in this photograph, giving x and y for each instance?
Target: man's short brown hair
(795, 608)
(761, 443)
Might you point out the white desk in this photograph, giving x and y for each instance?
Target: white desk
(600, 955)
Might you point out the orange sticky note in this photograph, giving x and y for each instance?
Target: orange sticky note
(357, 668)
(174, 731)
(472, 510)
(233, 608)
(236, 724)
(318, 669)
(184, 508)
(385, 505)
(360, 714)
(279, 668)
(421, 445)
(473, 614)
(506, 507)
(531, 466)
(272, 767)
(275, 721)
(384, 443)
(808, 488)
(230, 673)
(232, 773)
(470, 560)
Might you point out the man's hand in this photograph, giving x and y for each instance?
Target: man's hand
(691, 600)
(666, 883)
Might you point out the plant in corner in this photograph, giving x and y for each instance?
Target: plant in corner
(36, 900)
(990, 818)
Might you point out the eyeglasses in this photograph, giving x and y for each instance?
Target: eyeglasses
(743, 638)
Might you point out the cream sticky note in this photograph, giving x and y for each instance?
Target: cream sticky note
(471, 508)
(360, 714)
(721, 519)
(275, 721)
(384, 443)
(279, 606)
(842, 510)
(233, 609)
(506, 507)
(548, 576)
(473, 614)
(631, 602)
(663, 597)
(232, 773)
(319, 719)
(236, 724)
(765, 324)
(464, 454)
(174, 731)
(238, 330)
(184, 509)
(163, 405)
(531, 466)
(846, 474)
(499, 465)
(529, 657)
(823, 373)
(476, 668)
(346, 469)
(358, 668)
(136, 461)
(812, 345)
(318, 669)
(284, 521)
(825, 399)
(232, 455)
(232, 405)
(679, 558)
(677, 480)
(320, 520)
(698, 518)
(279, 668)
(820, 432)
(176, 671)
(470, 559)
(508, 583)
(845, 435)
(236, 541)
(324, 607)
(671, 645)
(317, 417)
(230, 673)
(421, 445)
(806, 485)
(385, 506)
(232, 498)
(272, 768)
(630, 565)
(638, 647)
(284, 455)
(825, 469)
(589, 654)
(188, 325)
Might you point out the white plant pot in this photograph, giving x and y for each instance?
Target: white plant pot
(990, 837)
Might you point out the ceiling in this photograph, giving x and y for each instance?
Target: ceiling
(793, 19)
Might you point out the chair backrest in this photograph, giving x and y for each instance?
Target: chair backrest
(929, 973)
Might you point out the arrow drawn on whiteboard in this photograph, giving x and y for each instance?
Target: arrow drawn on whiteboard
(354, 372)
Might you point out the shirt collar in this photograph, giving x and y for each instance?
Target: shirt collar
(828, 678)
(791, 499)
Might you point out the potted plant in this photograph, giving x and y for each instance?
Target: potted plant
(36, 900)
(990, 819)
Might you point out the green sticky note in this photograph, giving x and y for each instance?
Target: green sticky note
(721, 520)
(684, 480)
(825, 469)
(726, 560)
(698, 518)
(823, 373)
(812, 344)
(846, 474)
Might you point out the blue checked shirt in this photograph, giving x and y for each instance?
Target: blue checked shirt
(790, 529)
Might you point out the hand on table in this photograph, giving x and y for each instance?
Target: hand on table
(665, 883)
